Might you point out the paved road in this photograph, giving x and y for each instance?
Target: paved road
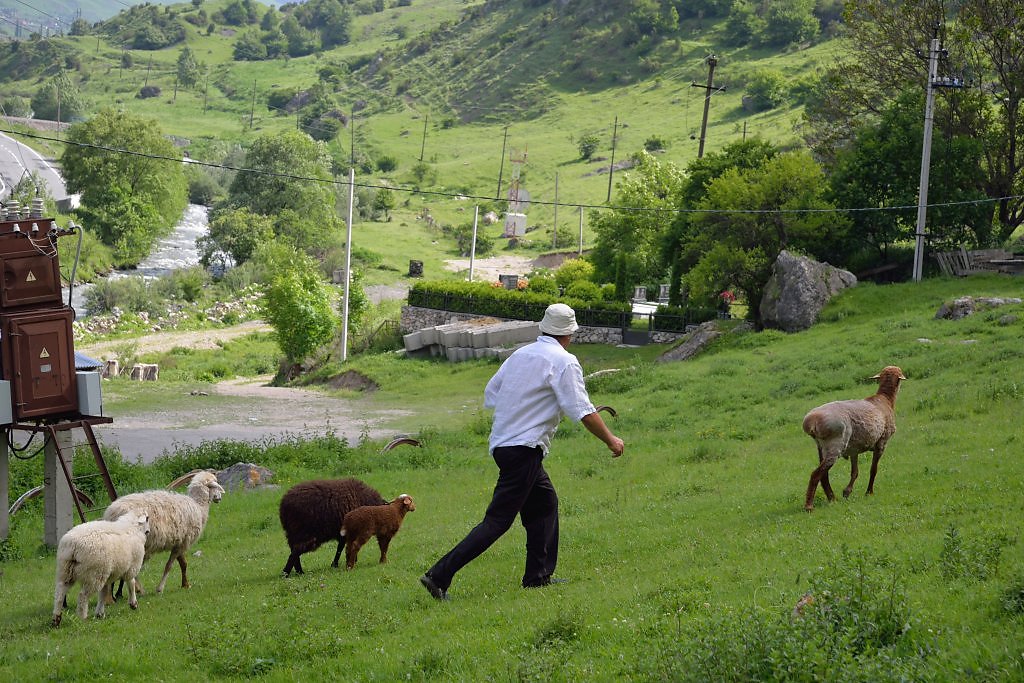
(17, 160)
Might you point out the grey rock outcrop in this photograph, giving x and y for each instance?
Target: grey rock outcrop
(798, 289)
(967, 305)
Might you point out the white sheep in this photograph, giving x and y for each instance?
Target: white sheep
(176, 521)
(382, 521)
(848, 428)
(94, 554)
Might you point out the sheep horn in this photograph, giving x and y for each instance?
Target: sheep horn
(183, 479)
(607, 409)
(399, 441)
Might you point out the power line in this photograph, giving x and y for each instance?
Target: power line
(456, 195)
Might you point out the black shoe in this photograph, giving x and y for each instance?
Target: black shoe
(435, 591)
(549, 581)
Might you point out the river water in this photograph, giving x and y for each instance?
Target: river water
(174, 252)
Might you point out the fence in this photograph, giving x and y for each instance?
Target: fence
(587, 317)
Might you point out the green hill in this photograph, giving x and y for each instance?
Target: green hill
(445, 81)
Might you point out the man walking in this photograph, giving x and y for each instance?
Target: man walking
(533, 389)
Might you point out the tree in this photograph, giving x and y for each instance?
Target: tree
(984, 39)
(249, 47)
(748, 216)
(58, 98)
(188, 68)
(678, 254)
(766, 89)
(289, 179)
(789, 21)
(131, 180)
(297, 304)
(628, 237)
(235, 233)
(384, 202)
(881, 168)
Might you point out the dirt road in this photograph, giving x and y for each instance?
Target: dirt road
(242, 409)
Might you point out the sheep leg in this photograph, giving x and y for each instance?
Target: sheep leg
(352, 552)
(337, 555)
(183, 563)
(853, 476)
(133, 597)
(82, 608)
(874, 469)
(816, 476)
(167, 570)
(102, 598)
(383, 542)
(826, 486)
(59, 599)
(293, 563)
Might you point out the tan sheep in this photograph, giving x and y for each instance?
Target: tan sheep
(849, 428)
(382, 521)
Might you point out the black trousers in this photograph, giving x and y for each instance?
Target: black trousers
(523, 489)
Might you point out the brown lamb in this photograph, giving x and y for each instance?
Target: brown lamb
(849, 428)
(382, 521)
(312, 511)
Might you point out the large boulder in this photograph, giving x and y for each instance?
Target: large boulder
(798, 289)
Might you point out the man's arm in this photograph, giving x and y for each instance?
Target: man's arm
(596, 426)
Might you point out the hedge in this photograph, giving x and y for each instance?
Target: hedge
(481, 298)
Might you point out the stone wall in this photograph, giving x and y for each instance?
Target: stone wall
(416, 318)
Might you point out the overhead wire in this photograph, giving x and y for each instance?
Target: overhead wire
(457, 195)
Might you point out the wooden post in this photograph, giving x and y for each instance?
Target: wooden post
(59, 506)
(5, 501)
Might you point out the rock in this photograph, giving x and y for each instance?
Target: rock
(798, 289)
(968, 305)
(244, 475)
(695, 342)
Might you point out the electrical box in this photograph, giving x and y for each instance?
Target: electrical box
(90, 398)
(6, 407)
(39, 362)
(29, 278)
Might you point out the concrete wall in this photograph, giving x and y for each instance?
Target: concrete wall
(415, 318)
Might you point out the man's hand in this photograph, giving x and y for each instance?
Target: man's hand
(596, 426)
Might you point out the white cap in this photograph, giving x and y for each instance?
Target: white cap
(559, 320)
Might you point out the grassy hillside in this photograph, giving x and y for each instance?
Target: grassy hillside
(447, 80)
(686, 556)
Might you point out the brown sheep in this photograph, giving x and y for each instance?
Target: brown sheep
(848, 428)
(382, 521)
(312, 511)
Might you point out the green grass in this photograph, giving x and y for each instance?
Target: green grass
(686, 556)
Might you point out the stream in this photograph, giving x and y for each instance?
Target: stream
(174, 252)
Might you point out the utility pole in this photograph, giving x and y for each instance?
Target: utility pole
(709, 90)
(149, 68)
(501, 169)
(352, 139)
(554, 228)
(206, 90)
(611, 166)
(423, 143)
(935, 53)
(252, 109)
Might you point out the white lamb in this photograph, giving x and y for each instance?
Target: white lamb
(176, 521)
(94, 554)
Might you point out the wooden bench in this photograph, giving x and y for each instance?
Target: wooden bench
(960, 262)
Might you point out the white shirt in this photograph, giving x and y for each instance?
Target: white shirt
(530, 393)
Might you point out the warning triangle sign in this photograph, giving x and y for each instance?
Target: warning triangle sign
(30, 277)
(45, 353)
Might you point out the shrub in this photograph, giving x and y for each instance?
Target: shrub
(588, 145)
(573, 270)
(655, 143)
(387, 164)
(585, 290)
